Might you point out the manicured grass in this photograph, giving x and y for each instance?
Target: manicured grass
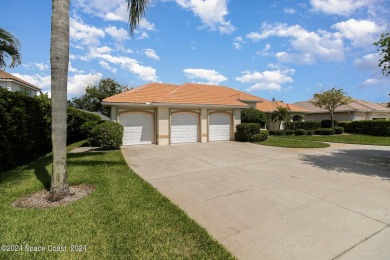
(291, 143)
(124, 218)
(346, 138)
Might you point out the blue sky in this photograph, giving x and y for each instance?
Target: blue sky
(286, 50)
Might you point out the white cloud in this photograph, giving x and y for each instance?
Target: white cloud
(145, 25)
(237, 42)
(77, 83)
(42, 66)
(72, 69)
(211, 12)
(151, 54)
(113, 10)
(361, 33)
(84, 33)
(211, 76)
(340, 7)
(320, 45)
(368, 62)
(289, 10)
(266, 80)
(118, 34)
(264, 51)
(143, 35)
(106, 66)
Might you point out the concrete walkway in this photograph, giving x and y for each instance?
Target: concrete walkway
(278, 203)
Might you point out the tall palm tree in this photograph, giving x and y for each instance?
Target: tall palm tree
(280, 115)
(59, 60)
(9, 46)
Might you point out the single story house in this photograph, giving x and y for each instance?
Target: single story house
(163, 114)
(356, 110)
(296, 113)
(13, 83)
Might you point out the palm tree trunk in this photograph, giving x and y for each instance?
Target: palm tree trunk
(59, 59)
(331, 119)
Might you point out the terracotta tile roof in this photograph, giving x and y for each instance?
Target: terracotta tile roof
(268, 106)
(189, 93)
(355, 105)
(6, 75)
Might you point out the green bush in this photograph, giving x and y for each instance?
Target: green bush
(324, 131)
(107, 135)
(309, 132)
(277, 132)
(252, 115)
(300, 132)
(338, 130)
(245, 131)
(87, 127)
(289, 132)
(76, 118)
(25, 128)
(367, 127)
(307, 125)
(328, 123)
(263, 136)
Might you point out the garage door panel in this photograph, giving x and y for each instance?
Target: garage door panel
(219, 127)
(184, 128)
(137, 128)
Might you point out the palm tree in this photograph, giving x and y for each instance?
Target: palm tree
(59, 60)
(281, 114)
(9, 46)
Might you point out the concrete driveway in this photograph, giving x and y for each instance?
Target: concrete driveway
(278, 203)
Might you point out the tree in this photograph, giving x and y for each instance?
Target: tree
(9, 46)
(330, 100)
(59, 60)
(252, 115)
(91, 100)
(281, 114)
(384, 48)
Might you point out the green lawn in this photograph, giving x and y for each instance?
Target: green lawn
(124, 218)
(292, 143)
(345, 138)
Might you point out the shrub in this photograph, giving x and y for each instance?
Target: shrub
(252, 115)
(279, 132)
(367, 127)
(300, 132)
(76, 118)
(309, 132)
(107, 135)
(87, 127)
(307, 125)
(289, 132)
(25, 128)
(245, 131)
(324, 131)
(328, 123)
(263, 136)
(338, 130)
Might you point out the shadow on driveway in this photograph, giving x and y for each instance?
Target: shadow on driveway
(366, 162)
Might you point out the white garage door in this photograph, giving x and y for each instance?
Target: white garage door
(137, 128)
(219, 127)
(184, 128)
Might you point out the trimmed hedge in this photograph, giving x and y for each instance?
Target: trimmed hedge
(328, 123)
(76, 118)
(25, 128)
(367, 127)
(300, 132)
(263, 136)
(307, 125)
(338, 130)
(324, 131)
(244, 131)
(277, 132)
(289, 132)
(107, 136)
(252, 115)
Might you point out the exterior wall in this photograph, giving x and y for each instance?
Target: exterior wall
(236, 118)
(377, 115)
(204, 125)
(163, 125)
(113, 115)
(342, 116)
(15, 86)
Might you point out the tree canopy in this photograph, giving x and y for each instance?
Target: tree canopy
(281, 114)
(9, 46)
(384, 48)
(252, 115)
(330, 100)
(91, 100)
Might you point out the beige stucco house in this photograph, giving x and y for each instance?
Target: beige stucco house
(13, 83)
(165, 114)
(355, 110)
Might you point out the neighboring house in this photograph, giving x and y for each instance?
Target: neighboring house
(164, 114)
(14, 84)
(296, 113)
(355, 110)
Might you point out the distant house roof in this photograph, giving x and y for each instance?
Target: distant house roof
(9, 77)
(269, 106)
(354, 105)
(188, 93)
